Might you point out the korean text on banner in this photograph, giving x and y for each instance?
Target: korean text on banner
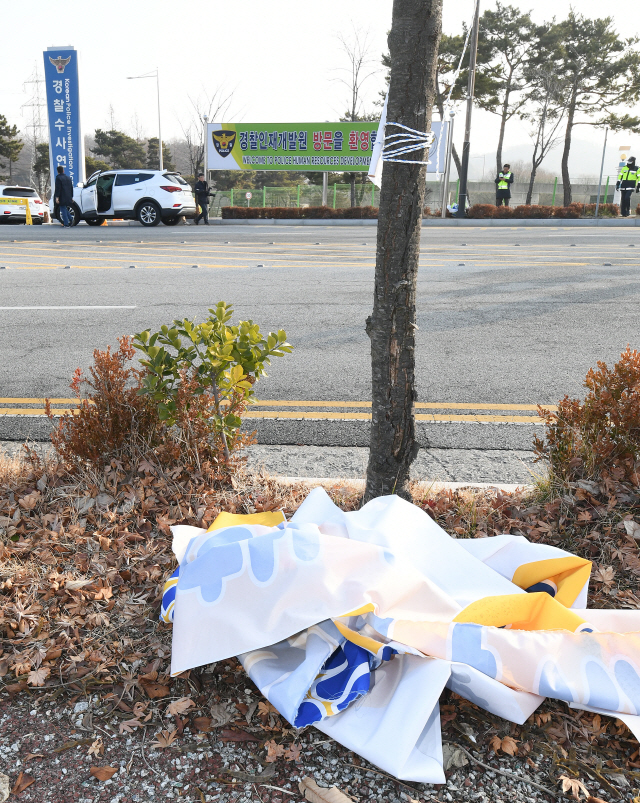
(63, 109)
(308, 147)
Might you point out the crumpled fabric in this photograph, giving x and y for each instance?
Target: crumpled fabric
(356, 622)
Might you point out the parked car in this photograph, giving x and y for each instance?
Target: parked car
(12, 213)
(149, 196)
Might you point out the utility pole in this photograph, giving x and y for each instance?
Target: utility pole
(604, 151)
(473, 55)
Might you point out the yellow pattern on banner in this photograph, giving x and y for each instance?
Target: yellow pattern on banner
(537, 611)
(268, 519)
(569, 575)
(19, 202)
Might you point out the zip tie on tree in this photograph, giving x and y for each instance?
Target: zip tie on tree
(397, 144)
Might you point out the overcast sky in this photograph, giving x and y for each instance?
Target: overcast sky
(280, 60)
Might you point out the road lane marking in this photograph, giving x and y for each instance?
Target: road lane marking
(94, 306)
(344, 414)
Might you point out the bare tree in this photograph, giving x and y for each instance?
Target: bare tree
(413, 47)
(213, 107)
(361, 65)
(546, 103)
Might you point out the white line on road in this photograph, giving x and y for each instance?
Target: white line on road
(95, 306)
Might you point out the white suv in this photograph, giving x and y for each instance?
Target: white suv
(17, 213)
(149, 196)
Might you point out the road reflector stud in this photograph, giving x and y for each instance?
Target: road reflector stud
(462, 243)
(573, 245)
(3, 267)
(67, 267)
(271, 243)
(260, 265)
(632, 245)
(607, 264)
(132, 266)
(195, 266)
(183, 242)
(461, 264)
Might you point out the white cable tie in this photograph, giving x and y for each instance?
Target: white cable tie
(400, 143)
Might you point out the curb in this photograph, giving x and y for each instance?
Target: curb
(553, 223)
(310, 432)
(422, 484)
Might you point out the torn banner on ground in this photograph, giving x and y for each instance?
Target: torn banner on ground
(356, 622)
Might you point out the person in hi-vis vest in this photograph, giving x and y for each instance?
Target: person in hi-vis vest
(628, 181)
(503, 186)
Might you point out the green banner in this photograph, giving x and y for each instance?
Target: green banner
(308, 147)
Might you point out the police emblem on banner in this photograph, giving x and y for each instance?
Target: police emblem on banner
(59, 63)
(223, 141)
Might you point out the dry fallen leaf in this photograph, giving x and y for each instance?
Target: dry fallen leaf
(574, 786)
(316, 794)
(293, 753)
(97, 748)
(228, 735)
(632, 528)
(202, 724)
(155, 690)
(221, 714)
(605, 575)
(509, 746)
(274, 751)
(103, 773)
(165, 739)
(37, 677)
(5, 788)
(22, 782)
(180, 706)
(453, 756)
(496, 743)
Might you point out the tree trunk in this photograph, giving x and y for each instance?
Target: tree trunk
(532, 180)
(566, 180)
(503, 125)
(352, 181)
(413, 47)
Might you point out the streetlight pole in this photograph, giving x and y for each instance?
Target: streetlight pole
(604, 151)
(154, 74)
(447, 167)
(464, 171)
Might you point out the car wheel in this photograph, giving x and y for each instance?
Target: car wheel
(171, 221)
(74, 214)
(148, 213)
(94, 221)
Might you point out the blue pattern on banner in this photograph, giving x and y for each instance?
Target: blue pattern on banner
(543, 585)
(210, 570)
(466, 648)
(552, 684)
(629, 682)
(602, 692)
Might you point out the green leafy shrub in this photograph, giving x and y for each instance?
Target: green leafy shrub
(599, 436)
(201, 376)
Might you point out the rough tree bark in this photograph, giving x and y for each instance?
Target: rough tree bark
(566, 180)
(413, 47)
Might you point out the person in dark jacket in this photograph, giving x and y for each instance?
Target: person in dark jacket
(203, 194)
(628, 181)
(63, 196)
(503, 186)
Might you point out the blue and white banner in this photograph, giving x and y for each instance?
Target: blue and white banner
(66, 146)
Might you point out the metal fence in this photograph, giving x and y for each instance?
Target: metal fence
(480, 192)
(300, 195)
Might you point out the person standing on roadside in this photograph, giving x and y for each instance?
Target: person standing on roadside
(503, 186)
(63, 196)
(202, 199)
(628, 181)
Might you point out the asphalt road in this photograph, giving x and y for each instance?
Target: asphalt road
(506, 317)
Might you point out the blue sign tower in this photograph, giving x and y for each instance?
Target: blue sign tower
(66, 145)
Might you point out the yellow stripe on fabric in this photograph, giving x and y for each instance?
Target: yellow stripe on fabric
(368, 608)
(166, 616)
(366, 643)
(537, 611)
(569, 574)
(269, 519)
